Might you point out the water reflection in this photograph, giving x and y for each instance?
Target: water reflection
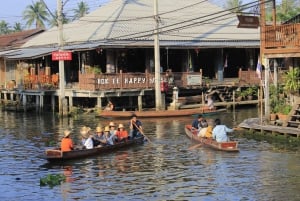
(164, 170)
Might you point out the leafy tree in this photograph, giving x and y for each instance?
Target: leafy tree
(36, 13)
(81, 11)
(284, 11)
(4, 28)
(17, 27)
(236, 4)
(53, 20)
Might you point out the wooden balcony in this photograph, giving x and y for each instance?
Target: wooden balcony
(282, 39)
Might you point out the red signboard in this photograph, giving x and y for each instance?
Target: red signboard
(61, 55)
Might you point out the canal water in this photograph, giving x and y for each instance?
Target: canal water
(163, 170)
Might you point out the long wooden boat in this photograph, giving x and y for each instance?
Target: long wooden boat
(57, 155)
(154, 113)
(230, 146)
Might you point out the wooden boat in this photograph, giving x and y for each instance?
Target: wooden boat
(154, 113)
(57, 155)
(231, 146)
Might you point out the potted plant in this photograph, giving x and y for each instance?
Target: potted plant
(283, 111)
(251, 92)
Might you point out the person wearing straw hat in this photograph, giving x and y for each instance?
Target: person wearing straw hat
(107, 137)
(122, 134)
(99, 137)
(113, 131)
(66, 142)
(87, 140)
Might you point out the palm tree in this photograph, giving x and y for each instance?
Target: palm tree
(81, 11)
(36, 13)
(4, 28)
(17, 27)
(236, 5)
(53, 20)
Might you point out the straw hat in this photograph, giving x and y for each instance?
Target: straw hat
(106, 129)
(98, 129)
(111, 123)
(121, 126)
(67, 133)
(84, 131)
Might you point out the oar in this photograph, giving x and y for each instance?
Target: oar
(195, 146)
(142, 132)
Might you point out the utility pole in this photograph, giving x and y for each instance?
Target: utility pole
(158, 100)
(61, 64)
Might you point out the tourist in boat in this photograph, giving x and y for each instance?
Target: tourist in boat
(67, 142)
(108, 139)
(210, 103)
(196, 124)
(109, 106)
(220, 131)
(209, 129)
(98, 138)
(87, 136)
(203, 129)
(135, 126)
(122, 134)
(113, 131)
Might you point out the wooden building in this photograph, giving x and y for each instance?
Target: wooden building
(113, 56)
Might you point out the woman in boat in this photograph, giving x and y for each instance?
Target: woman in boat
(109, 106)
(113, 131)
(210, 103)
(122, 134)
(98, 138)
(196, 124)
(204, 126)
(108, 139)
(66, 142)
(219, 132)
(135, 126)
(87, 136)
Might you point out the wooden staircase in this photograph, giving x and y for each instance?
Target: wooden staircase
(294, 116)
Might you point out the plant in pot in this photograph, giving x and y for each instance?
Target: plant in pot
(283, 111)
(251, 92)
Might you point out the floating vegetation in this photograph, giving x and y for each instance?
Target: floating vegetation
(52, 180)
(281, 142)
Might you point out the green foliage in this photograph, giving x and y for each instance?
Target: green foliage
(284, 109)
(249, 91)
(292, 80)
(52, 180)
(36, 14)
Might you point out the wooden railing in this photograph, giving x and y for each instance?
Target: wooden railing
(136, 80)
(282, 36)
(127, 81)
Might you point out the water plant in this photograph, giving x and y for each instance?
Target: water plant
(52, 180)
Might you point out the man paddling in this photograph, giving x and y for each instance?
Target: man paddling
(135, 126)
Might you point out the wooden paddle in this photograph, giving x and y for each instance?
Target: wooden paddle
(195, 146)
(142, 132)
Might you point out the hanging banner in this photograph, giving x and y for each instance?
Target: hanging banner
(248, 21)
(62, 56)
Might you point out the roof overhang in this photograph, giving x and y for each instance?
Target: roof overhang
(26, 53)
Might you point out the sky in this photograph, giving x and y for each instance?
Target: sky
(12, 10)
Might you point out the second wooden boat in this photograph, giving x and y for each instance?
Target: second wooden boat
(162, 113)
(230, 146)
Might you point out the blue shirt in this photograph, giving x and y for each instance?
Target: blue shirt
(220, 133)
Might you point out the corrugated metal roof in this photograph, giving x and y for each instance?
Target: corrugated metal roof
(26, 53)
(131, 23)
